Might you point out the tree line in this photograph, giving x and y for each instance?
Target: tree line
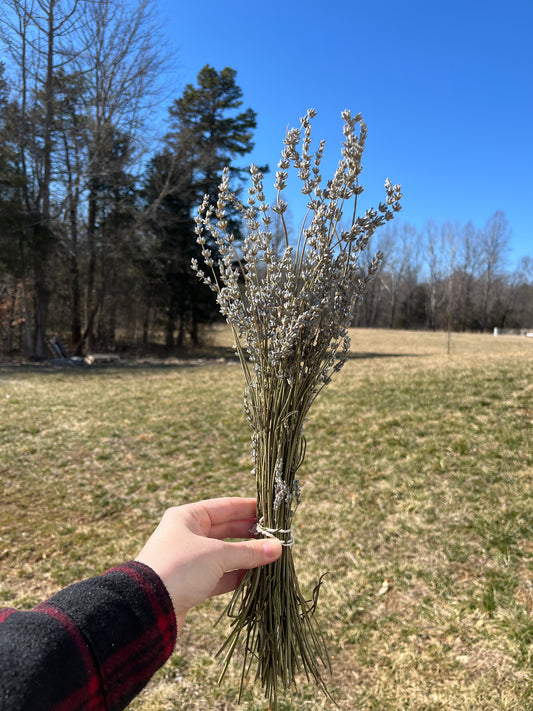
(97, 209)
(450, 276)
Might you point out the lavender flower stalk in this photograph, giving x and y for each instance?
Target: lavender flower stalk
(289, 313)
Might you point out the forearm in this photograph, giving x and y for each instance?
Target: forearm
(93, 645)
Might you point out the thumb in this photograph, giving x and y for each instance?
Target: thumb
(244, 555)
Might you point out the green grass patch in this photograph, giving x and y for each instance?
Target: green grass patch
(417, 498)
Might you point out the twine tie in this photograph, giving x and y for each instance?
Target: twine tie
(275, 533)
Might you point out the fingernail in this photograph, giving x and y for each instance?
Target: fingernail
(271, 549)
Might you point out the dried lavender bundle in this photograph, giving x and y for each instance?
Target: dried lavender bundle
(289, 314)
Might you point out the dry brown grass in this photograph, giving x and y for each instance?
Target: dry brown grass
(418, 473)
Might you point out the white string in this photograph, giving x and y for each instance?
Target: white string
(273, 533)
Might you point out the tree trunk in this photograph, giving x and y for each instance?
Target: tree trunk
(26, 319)
(42, 291)
(75, 296)
(169, 334)
(146, 326)
(42, 296)
(486, 295)
(180, 341)
(88, 336)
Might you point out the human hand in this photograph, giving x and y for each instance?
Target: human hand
(189, 554)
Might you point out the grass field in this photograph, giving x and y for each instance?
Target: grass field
(417, 498)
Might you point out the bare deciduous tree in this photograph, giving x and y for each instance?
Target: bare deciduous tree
(399, 244)
(495, 239)
(35, 34)
(122, 63)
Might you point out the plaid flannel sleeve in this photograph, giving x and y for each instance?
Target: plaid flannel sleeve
(93, 646)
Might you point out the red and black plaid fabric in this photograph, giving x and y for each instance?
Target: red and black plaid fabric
(91, 647)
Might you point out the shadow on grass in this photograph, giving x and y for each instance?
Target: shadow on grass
(370, 355)
(181, 361)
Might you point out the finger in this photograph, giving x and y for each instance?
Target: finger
(250, 554)
(233, 529)
(230, 508)
(228, 582)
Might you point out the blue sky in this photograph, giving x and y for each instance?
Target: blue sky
(446, 89)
